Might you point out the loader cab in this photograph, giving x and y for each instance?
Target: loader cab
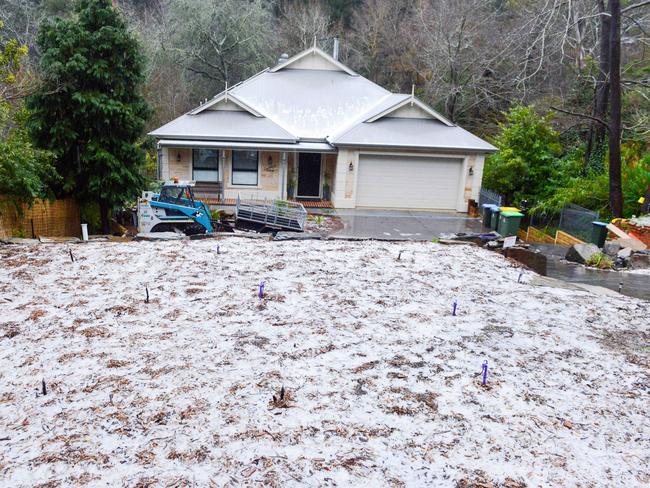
(177, 194)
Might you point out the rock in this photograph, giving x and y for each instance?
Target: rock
(159, 236)
(611, 248)
(640, 260)
(624, 253)
(620, 263)
(581, 253)
(634, 244)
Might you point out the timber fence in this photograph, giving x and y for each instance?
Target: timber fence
(44, 218)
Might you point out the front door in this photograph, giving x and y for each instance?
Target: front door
(309, 175)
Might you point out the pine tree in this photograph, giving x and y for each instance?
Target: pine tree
(90, 110)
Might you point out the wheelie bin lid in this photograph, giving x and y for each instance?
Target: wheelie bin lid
(511, 214)
(510, 209)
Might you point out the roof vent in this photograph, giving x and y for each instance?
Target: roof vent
(283, 58)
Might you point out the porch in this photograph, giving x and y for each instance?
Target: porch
(221, 174)
(213, 200)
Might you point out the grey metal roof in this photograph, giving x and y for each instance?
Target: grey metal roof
(389, 100)
(304, 109)
(312, 104)
(316, 147)
(412, 133)
(224, 125)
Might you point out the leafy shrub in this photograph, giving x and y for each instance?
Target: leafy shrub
(592, 190)
(90, 215)
(26, 173)
(601, 261)
(529, 150)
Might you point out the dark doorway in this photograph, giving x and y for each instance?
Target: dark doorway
(309, 175)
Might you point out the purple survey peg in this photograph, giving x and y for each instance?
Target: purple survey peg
(485, 369)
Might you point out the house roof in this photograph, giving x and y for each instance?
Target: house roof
(224, 125)
(312, 98)
(413, 134)
(312, 104)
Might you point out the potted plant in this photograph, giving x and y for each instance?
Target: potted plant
(326, 190)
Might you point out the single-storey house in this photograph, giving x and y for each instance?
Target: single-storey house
(312, 129)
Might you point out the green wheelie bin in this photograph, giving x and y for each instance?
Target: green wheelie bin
(509, 223)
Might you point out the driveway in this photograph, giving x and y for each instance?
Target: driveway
(403, 224)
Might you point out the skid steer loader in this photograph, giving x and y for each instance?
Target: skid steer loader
(174, 209)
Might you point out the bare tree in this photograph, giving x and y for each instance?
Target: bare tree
(380, 44)
(220, 41)
(167, 88)
(300, 23)
(464, 65)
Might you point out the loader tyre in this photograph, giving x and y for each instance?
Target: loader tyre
(194, 229)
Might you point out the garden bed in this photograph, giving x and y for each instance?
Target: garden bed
(351, 370)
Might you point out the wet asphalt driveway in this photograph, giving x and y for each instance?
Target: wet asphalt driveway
(403, 224)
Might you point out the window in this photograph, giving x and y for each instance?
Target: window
(205, 164)
(244, 168)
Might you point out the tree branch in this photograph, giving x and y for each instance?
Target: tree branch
(635, 5)
(584, 116)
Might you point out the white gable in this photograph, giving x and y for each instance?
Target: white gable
(228, 102)
(410, 108)
(227, 105)
(410, 112)
(313, 59)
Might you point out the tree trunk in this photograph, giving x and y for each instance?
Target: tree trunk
(595, 153)
(105, 218)
(615, 189)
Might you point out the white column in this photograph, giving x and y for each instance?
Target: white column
(283, 175)
(164, 164)
(345, 178)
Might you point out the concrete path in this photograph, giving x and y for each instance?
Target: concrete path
(403, 224)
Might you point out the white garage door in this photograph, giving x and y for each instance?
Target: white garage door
(408, 182)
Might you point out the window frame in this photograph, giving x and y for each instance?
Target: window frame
(256, 171)
(216, 170)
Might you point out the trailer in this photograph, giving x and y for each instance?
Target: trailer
(270, 215)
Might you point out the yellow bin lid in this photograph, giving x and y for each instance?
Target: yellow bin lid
(509, 209)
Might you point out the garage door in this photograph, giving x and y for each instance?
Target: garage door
(408, 182)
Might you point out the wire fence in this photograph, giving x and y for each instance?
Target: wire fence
(577, 221)
(490, 197)
(573, 219)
